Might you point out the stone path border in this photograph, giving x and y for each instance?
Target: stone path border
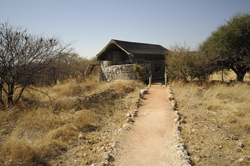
(131, 115)
(181, 152)
(107, 157)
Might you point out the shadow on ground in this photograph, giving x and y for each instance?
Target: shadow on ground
(158, 83)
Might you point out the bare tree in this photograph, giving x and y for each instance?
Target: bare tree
(22, 57)
(68, 66)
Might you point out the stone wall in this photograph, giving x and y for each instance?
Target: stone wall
(111, 72)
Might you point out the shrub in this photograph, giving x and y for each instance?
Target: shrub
(139, 70)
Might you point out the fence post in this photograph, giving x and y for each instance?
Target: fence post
(150, 79)
(166, 77)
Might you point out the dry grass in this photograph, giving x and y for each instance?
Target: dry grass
(227, 76)
(214, 118)
(38, 131)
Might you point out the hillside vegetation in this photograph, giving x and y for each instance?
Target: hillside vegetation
(46, 130)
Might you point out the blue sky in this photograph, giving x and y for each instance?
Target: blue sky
(91, 24)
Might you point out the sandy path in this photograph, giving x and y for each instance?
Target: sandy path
(151, 140)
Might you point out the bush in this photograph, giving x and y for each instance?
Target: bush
(186, 65)
(139, 70)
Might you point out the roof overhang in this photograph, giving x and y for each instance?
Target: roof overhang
(135, 50)
(111, 44)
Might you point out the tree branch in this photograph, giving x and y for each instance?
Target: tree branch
(41, 92)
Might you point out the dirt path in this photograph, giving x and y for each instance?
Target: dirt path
(151, 140)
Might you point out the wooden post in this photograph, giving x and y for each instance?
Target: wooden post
(222, 75)
(150, 79)
(166, 77)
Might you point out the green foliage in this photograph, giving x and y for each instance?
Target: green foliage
(229, 45)
(178, 60)
(139, 70)
(185, 65)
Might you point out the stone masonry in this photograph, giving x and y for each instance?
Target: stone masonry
(111, 72)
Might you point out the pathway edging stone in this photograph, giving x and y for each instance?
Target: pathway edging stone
(181, 150)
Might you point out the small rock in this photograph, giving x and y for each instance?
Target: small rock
(241, 159)
(81, 136)
(174, 103)
(106, 156)
(111, 159)
(135, 113)
(128, 119)
(180, 147)
(103, 148)
(234, 137)
(177, 116)
(171, 97)
(114, 145)
(239, 144)
(132, 114)
(125, 126)
(197, 158)
(186, 164)
(128, 114)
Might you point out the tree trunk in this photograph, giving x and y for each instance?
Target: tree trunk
(10, 99)
(10, 93)
(240, 76)
(1, 92)
(240, 73)
(1, 95)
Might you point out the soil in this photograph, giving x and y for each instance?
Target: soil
(151, 140)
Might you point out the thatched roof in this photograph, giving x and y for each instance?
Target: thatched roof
(135, 50)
